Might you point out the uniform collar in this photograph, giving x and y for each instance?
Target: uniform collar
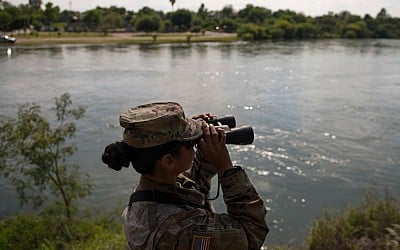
(184, 190)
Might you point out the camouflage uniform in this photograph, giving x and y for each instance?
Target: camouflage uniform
(193, 225)
(152, 225)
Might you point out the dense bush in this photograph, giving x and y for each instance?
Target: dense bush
(30, 231)
(251, 31)
(148, 23)
(375, 224)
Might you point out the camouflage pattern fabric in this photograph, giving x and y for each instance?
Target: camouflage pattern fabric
(152, 225)
(154, 124)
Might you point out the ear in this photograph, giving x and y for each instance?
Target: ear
(167, 161)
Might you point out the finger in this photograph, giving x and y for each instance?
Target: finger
(222, 135)
(214, 134)
(211, 115)
(202, 145)
(200, 116)
(204, 116)
(197, 117)
(206, 133)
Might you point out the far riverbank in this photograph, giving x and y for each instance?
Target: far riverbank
(43, 38)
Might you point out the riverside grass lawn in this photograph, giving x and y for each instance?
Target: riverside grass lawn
(43, 38)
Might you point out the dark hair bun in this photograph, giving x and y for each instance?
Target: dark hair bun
(117, 155)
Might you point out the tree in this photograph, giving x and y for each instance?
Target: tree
(258, 15)
(326, 25)
(250, 31)
(254, 14)
(228, 11)
(243, 13)
(306, 30)
(182, 18)
(197, 24)
(93, 18)
(287, 27)
(229, 25)
(202, 13)
(35, 3)
(5, 20)
(355, 30)
(112, 21)
(51, 13)
(33, 156)
(118, 10)
(148, 23)
(146, 11)
(382, 13)
(172, 3)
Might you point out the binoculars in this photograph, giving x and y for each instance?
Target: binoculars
(239, 136)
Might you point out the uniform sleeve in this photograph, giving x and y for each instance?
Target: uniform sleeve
(244, 204)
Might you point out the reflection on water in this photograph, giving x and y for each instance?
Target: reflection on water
(9, 51)
(325, 113)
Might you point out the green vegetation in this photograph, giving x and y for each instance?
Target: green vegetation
(126, 38)
(250, 23)
(148, 23)
(375, 224)
(33, 156)
(48, 232)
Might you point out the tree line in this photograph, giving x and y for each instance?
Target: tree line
(250, 23)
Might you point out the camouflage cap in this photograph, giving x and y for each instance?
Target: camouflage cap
(155, 124)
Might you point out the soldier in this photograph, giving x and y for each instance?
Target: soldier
(170, 207)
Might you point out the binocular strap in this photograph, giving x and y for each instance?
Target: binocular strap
(158, 196)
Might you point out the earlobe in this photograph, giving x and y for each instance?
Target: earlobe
(168, 161)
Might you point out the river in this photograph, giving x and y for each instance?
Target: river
(325, 114)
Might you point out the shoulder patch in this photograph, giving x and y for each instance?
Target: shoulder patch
(201, 242)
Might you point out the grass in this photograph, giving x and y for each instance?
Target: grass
(375, 224)
(45, 232)
(43, 38)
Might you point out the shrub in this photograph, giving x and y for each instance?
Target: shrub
(277, 33)
(251, 31)
(23, 232)
(195, 29)
(350, 34)
(375, 224)
(34, 153)
(50, 232)
(148, 23)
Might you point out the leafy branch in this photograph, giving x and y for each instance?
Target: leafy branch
(33, 155)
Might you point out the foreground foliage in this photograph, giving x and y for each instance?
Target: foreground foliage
(33, 154)
(28, 231)
(375, 224)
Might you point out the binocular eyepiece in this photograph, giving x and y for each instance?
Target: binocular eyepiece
(239, 136)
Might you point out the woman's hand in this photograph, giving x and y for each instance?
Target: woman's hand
(204, 116)
(213, 147)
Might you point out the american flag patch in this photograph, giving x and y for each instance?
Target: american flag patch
(201, 242)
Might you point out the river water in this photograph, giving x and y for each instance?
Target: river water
(325, 114)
